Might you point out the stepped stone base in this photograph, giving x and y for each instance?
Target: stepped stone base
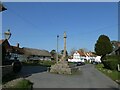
(61, 67)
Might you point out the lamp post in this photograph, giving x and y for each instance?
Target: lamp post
(2, 8)
(7, 34)
(57, 49)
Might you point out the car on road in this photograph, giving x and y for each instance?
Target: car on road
(80, 63)
(94, 62)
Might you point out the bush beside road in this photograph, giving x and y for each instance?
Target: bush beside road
(112, 62)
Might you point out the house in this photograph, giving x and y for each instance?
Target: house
(11, 52)
(22, 54)
(117, 51)
(79, 56)
(36, 54)
(17, 52)
(4, 48)
(116, 48)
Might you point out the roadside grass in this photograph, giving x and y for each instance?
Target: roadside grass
(113, 74)
(22, 84)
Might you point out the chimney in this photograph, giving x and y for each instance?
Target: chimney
(18, 45)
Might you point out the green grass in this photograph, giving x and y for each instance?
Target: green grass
(24, 84)
(113, 74)
(21, 85)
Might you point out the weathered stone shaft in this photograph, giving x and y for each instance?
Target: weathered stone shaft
(64, 53)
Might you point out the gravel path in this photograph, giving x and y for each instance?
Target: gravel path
(88, 78)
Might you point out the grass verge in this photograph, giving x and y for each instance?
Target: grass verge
(21, 84)
(113, 74)
(24, 84)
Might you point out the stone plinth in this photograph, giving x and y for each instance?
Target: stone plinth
(61, 68)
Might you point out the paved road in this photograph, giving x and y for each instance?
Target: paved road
(89, 77)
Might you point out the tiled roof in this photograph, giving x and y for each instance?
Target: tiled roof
(1, 41)
(81, 53)
(12, 49)
(16, 49)
(86, 53)
(118, 44)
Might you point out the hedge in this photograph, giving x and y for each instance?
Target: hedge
(112, 62)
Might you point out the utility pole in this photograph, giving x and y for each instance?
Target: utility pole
(57, 49)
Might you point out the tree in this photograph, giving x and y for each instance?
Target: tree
(53, 54)
(83, 50)
(62, 51)
(103, 46)
(72, 51)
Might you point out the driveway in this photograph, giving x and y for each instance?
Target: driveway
(89, 77)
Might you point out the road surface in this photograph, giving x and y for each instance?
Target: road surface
(89, 77)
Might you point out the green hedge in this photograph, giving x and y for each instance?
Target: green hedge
(46, 63)
(114, 57)
(112, 62)
(112, 65)
(39, 63)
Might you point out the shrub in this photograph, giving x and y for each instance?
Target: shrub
(46, 63)
(113, 65)
(24, 84)
(115, 57)
(112, 62)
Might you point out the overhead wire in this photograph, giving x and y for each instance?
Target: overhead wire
(33, 25)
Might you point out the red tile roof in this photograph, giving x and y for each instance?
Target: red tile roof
(16, 49)
(81, 53)
(13, 49)
(1, 41)
(118, 44)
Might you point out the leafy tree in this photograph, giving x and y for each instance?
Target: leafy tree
(53, 54)
(83, 50)
(103, 46)
(62, 51)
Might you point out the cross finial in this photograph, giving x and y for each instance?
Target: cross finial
(65, 35)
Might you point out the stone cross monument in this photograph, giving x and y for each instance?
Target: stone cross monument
(64, 53)
(62, 66)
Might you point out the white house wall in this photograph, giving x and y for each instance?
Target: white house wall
(78, 58)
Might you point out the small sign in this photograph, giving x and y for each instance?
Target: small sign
(118, 67)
